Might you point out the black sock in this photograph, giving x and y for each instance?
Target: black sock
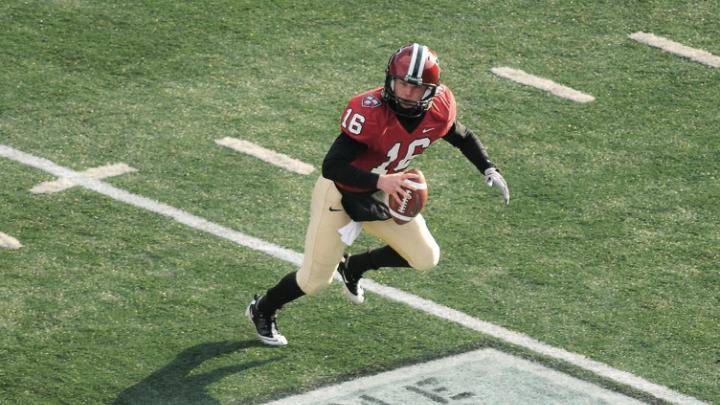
(285, 290)
(374, 259)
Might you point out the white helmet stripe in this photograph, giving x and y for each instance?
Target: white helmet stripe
(423, 57)
(413, 59)
(417, 63)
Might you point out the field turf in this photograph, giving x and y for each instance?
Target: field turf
(609, 247)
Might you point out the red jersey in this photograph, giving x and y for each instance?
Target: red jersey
(367, 119)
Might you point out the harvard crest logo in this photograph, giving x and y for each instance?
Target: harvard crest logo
(370, 101)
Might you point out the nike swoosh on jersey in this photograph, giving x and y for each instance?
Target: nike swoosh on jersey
(426, 130)
(335, 209)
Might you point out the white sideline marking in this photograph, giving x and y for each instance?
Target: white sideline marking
(267, 155)
(542, 84)
(391, 293)
(151, 205)
(698, 55)
(64, 183)
(8, 242)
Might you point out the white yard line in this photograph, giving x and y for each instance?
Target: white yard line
(267, 155)
(394, 294)
(97, 173)
(527, 79)
(8, 242)
(676, 48)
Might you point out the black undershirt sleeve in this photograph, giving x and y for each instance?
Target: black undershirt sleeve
(462, 138)
(336, 165)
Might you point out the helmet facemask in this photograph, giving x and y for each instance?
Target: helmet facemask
(417, 65)
(405, 107)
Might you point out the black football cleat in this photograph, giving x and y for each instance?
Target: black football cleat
(351, 283)
(265, 325)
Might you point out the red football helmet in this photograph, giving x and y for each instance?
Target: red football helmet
(415, 64)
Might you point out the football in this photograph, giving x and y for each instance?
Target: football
(412, 205)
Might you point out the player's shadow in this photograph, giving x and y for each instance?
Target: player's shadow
(173, 384)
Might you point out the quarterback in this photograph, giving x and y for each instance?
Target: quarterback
(381, 131)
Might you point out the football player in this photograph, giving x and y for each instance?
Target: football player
(381, 131)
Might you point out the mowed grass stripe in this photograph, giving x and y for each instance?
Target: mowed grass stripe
(391, 293)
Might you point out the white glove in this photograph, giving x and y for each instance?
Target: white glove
(493, 178)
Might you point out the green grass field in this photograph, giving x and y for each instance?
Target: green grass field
(609, 247)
